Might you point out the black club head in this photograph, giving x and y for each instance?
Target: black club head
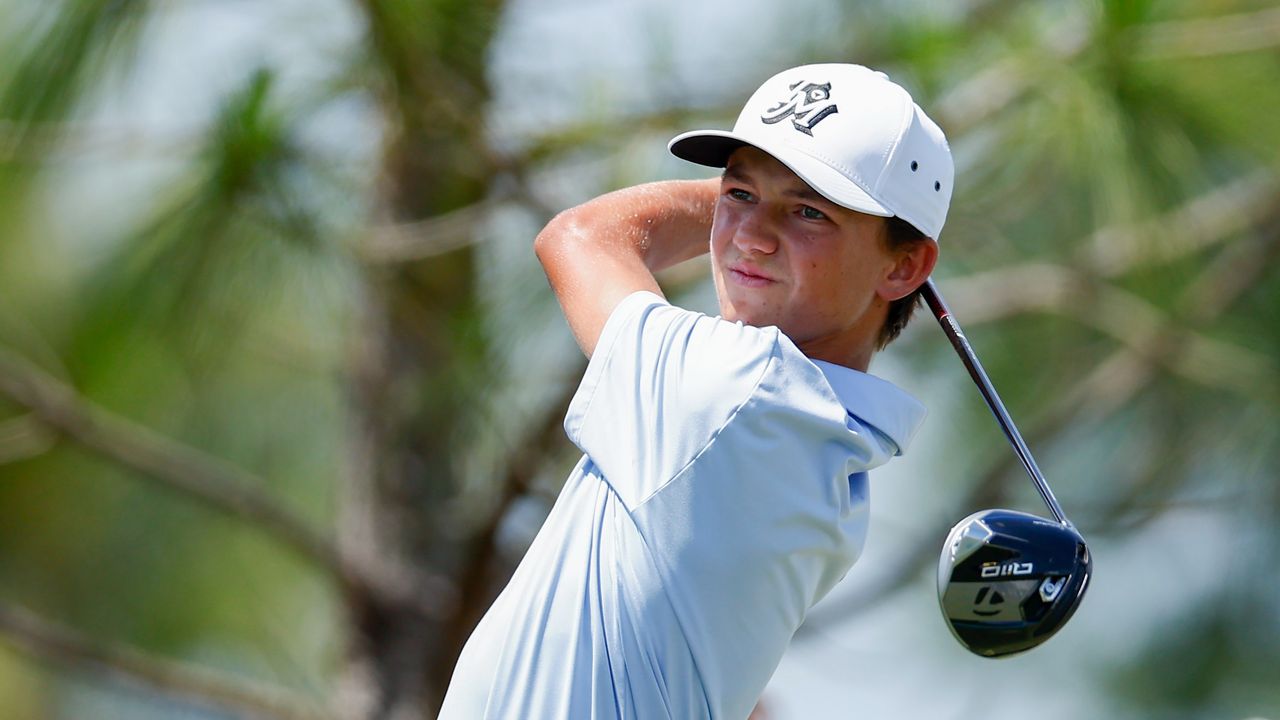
(1008, 580)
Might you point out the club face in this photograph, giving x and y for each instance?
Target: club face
(1008, 580)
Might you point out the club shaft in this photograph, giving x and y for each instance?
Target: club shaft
(971, 363)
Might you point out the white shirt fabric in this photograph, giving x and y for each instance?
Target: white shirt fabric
(722, 493)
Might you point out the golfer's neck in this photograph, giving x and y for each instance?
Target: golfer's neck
(851, 354)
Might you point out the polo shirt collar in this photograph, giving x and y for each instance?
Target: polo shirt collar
(876, 402)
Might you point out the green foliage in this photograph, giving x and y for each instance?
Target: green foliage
(52, 67)
(1214, 661)
(217, 320)
(209, 260)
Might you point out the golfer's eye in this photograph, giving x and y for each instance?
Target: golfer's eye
(812, 213)
(739, 194)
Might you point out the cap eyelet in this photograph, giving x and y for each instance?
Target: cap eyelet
(914, 166)
(937, 186)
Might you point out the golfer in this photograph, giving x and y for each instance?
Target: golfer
(722, 490)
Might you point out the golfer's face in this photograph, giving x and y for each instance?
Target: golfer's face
(783, 255)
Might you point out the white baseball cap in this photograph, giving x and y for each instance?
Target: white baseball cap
(851, 133)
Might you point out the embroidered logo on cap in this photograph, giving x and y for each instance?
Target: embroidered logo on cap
(808, 105)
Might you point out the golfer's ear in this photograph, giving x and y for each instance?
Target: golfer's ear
(912, 267)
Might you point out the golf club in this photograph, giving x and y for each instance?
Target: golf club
(1007, 580)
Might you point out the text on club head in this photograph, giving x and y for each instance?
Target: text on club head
(991, 569)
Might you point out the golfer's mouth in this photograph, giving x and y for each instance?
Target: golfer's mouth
(748, 276)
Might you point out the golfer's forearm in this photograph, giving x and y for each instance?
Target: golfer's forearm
(600, 252)
(658, 224)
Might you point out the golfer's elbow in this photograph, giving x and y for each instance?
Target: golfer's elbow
(554, 240)
(585, 240)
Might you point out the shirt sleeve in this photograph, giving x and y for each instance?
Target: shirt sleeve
(660, 385)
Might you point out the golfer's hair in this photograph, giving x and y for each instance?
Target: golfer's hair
(899, 235)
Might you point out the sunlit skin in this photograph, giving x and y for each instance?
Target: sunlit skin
(784, 255)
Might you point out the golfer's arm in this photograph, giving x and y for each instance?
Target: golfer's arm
(598, 253)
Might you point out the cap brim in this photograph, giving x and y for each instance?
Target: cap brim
(713, 148)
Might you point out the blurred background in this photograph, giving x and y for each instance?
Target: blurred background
(281, 383)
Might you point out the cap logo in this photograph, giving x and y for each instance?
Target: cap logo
(808, 104)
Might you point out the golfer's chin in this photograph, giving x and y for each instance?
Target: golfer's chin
(756, 306)
(747, 312)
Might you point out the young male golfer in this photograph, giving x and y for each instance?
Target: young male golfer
(723, 489)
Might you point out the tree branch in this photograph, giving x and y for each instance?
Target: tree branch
(1125, 317)
(195, 474)
(1203, 37)
(424, 239)
(38, 141)
(1196, 224)
(179, 467)
(23, 437)
(183, 682)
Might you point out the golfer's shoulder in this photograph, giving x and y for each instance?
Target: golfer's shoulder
(646, 326)
(698, 364)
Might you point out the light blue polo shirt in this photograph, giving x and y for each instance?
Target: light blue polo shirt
(722, 493)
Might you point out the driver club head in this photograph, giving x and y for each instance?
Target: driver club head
(1008, 580)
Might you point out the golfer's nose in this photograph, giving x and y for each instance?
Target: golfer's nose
(758, 233)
